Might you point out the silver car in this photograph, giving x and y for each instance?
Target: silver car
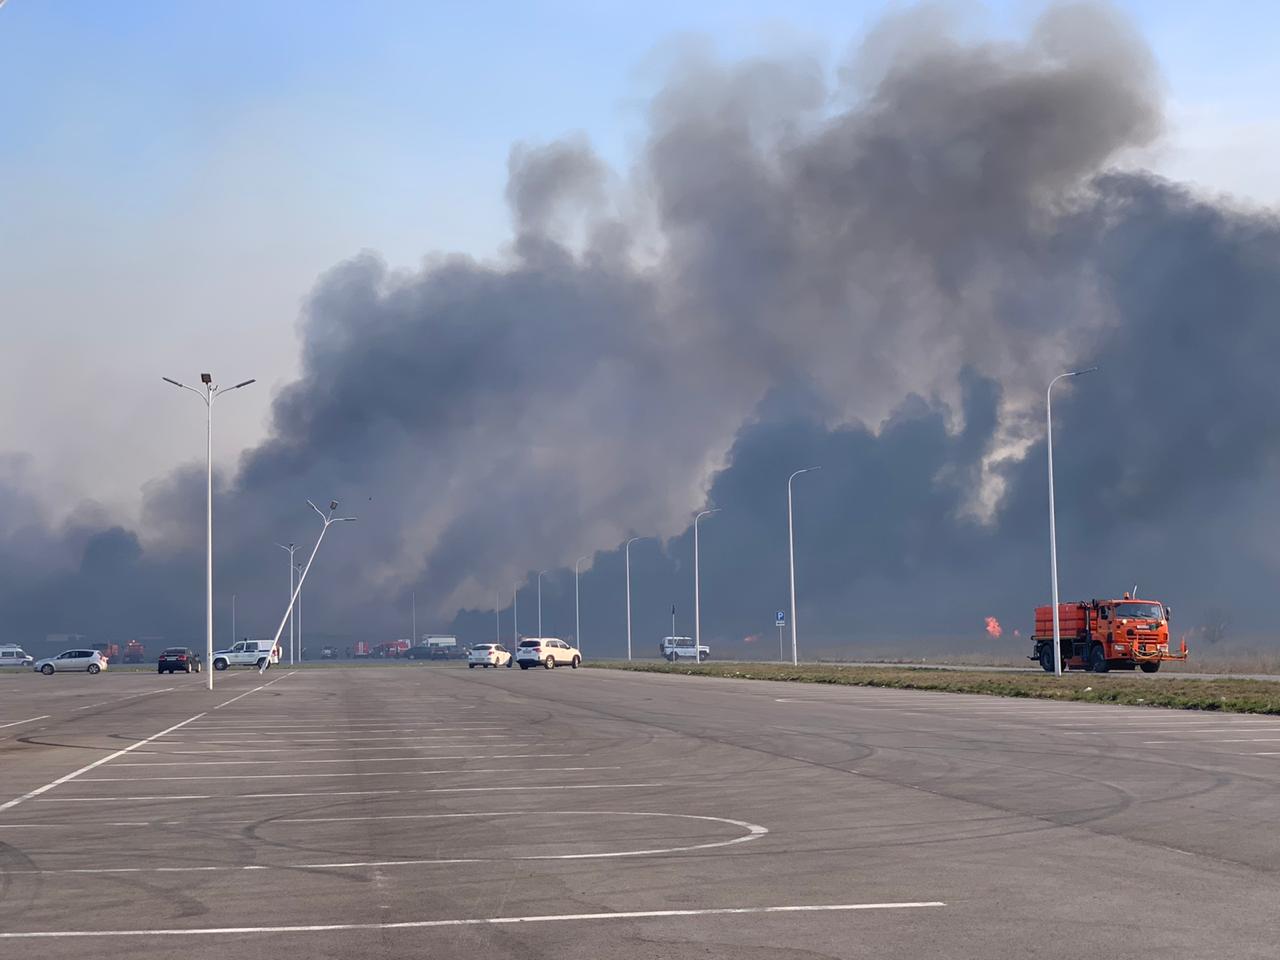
(82, 661)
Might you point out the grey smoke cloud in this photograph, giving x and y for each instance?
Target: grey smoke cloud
(882, 274)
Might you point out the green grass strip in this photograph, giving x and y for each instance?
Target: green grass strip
(1222, 695)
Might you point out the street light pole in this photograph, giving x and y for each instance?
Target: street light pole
(497, 617)
(413, 601)
(791, 551)
(577, 605)
(292, 570)
(515, 618)
(298, 645)
(211, 391)
(327, 519)
(1053, 533)
(697, 590)
(540, 573)
(628, 553)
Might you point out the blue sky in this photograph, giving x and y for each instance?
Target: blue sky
(177, 174)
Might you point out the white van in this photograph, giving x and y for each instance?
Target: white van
(12, 655)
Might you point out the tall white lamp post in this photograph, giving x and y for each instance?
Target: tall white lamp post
(208, 395)
(1053, 533)
(791, 552)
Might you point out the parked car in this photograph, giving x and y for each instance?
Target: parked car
(246, 653)
(488, 655)
(178, 658)
(12, 655)
(328, 653)
(72, 661)
(683, 648)
(548, 652)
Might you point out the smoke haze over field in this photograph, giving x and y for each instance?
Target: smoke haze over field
(878, 276)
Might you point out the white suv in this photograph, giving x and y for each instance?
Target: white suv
(547, 652)
(488, 655)
(246, 653)
(683, 648)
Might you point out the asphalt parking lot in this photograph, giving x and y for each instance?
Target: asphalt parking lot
(434, 811)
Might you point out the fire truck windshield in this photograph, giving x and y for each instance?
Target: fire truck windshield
(1139, 611)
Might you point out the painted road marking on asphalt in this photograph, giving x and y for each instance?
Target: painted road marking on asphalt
(264, 686)
(268, 732)
(346, 793)
(361, 773)
(18, 723)
(279, 762)
(754, 832)
(1232, 740)
(132, 696)
(520, 742)
(8, 805)
(480, 921)
(452, 741)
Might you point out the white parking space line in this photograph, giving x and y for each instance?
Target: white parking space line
(283, 762)
(1197, 730)
(274, 739)
(18, 723)
(1231, 740)
(10, 804)
(514, 741)
(480, 921)
(133, 696)
(263, 686)
(347, 793)
(361, 773)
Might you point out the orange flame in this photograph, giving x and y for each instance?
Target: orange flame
(993, 627)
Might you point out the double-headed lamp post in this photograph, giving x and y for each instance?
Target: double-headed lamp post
(327, 519)
(628, 554)
(577, 605)
(791, 552)
(208, 395)
(1053, 534)
(290, 548)
(697, 588)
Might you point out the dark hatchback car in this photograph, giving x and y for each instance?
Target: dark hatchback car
(179, 658)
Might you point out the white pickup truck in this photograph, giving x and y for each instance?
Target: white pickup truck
(246, 653)
(683, 648)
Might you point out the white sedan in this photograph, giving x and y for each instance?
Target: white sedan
(488, 655)
(78, 661)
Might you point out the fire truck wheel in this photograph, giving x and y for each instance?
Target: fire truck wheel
(1046, 658)
(1150, 667)
(1098, 659)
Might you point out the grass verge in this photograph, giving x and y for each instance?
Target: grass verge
(1225, 695)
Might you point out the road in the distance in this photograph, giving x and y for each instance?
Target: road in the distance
(435, 811)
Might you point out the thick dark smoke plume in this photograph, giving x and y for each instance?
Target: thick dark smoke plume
(878, 275)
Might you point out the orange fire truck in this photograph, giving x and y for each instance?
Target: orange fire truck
(1102, 635)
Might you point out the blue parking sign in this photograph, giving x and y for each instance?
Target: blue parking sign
(782, 618)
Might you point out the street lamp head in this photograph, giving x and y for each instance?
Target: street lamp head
(1080, 373)
(174, 382)
(206, 378)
